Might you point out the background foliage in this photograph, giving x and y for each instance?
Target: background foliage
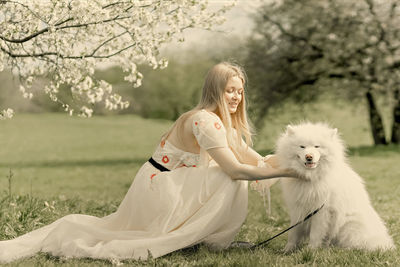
(300, 50)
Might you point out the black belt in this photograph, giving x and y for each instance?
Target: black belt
(157, 165)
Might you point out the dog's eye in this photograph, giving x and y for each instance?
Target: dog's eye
(316, 146)
(302, 147)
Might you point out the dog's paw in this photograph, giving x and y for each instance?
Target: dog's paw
(290, 248)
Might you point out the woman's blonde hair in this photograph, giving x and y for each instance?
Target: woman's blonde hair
(212, 99)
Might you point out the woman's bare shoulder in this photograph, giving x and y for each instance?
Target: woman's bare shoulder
(204, 114)
(187, 118)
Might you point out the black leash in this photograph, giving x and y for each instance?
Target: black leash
(284, 231)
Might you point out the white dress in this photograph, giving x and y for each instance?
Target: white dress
(195, 202)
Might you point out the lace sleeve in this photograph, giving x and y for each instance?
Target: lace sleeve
(209, 130)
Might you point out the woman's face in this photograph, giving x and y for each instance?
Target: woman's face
(233, 93)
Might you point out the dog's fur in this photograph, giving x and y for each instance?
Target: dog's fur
(347, 219)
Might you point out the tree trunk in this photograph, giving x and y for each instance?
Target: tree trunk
(375, 119)
(396, 118)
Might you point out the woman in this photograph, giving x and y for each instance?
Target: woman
(193, 189)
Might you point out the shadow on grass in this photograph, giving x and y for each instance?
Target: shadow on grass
(76, 163)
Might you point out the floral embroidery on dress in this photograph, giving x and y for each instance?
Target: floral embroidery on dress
(165, 159)
(152, 176)
(162, 143)
(217, 125)
(197, 125)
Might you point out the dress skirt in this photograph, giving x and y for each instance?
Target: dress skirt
(162, 212)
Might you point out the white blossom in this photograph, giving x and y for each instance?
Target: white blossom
(6, 114)
(69, 39)
(24, 93)
(86, 112)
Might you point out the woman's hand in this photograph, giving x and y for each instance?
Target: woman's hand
(272, 160)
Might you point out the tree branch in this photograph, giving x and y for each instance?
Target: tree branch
(291, 35)
(44, 54)
(27, 38)
(124, 2)
(377, 21)
(26, 7)
(115, 3)
(107, 41)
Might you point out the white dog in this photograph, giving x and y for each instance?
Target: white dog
(347, 219)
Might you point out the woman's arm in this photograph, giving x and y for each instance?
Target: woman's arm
(240, 171)
(272, 160)
(249, 155)
(252, 157)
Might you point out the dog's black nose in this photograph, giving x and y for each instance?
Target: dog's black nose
(309, 157)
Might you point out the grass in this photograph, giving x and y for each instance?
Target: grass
(61, 165)
(75, 156)
(350, 119)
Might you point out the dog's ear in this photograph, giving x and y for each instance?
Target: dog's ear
(289, 130)
(334, 132)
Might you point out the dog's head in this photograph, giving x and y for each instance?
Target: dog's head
(304, 147)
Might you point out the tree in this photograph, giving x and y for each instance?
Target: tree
(352, 43)
(67, 40)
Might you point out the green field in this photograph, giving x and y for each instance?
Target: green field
(63, 165)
